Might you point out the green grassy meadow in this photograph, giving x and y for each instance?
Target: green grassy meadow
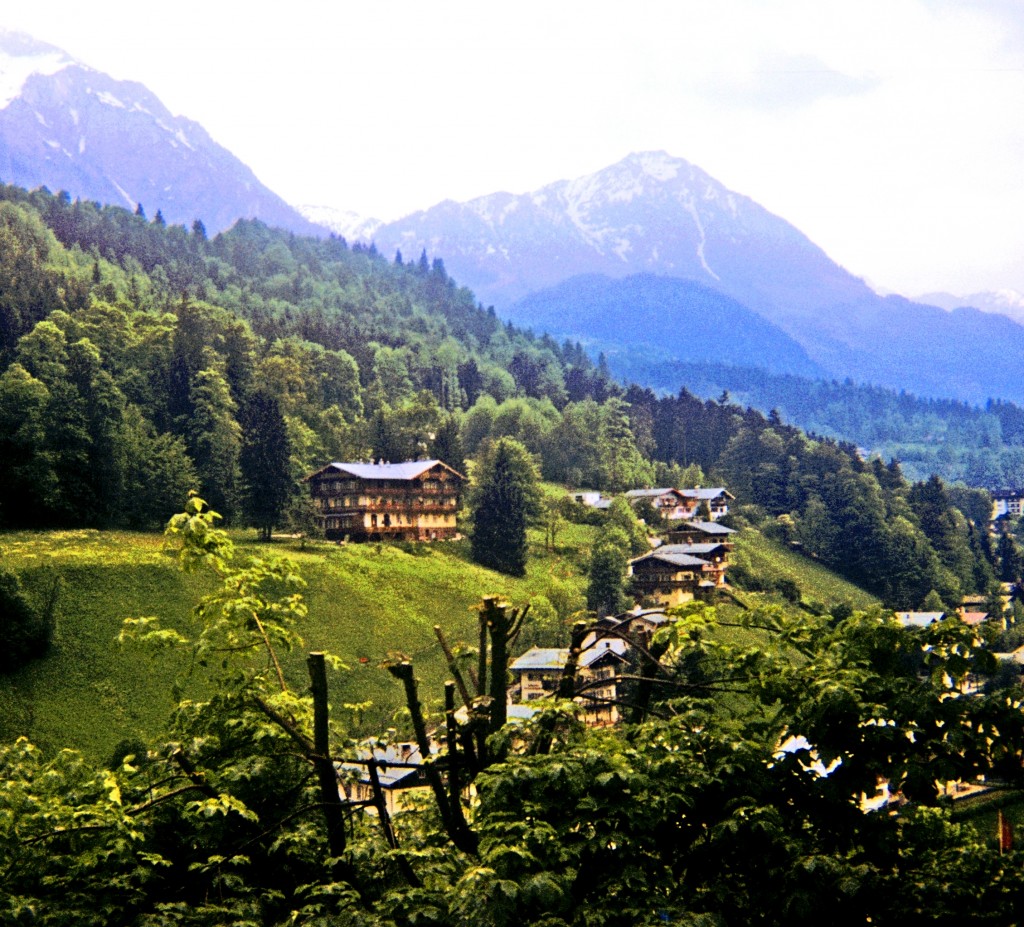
(764, 557)
(364, 601)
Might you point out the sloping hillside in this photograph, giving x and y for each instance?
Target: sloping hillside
(365, 601)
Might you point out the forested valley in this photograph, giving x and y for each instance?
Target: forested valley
(980, 446)
(141, 362)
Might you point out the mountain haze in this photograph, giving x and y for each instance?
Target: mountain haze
(643, 319)
(68, 127)
(655, 214)
(1003, 302)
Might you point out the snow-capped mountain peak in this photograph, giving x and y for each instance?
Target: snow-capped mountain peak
(21, 56)
(73, 128)
(350, 225)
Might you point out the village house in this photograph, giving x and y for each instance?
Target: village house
(399, 772)
(919, 619)
(669, 503)
(538, 672)
(1007, 503)
(604, 658)
(410, 501)
(676, 573)
(717, 500)
(592, 500)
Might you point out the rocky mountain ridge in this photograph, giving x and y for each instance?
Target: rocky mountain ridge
(69, 127)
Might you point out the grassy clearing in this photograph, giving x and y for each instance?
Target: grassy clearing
(982, 813)
(763, 557)
(365, 601)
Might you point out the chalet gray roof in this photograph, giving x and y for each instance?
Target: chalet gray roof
(541, 658)
(390, 776)
(649, 493)
(695, 549)
(918, 619)
(709, 493)
(598, 647)
(708, 527)
(675, 558)
(554, 658)
(625, 619)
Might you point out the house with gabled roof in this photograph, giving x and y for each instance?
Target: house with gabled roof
(699, 532)
(538, 672)
(400, 774)
(416, 500)
(676, 573)
(716, 497)
(670, 503)
(919, 619)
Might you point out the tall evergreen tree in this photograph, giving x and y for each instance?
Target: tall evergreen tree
(607, 573)
(1011, 560)
(214, 439)
(504, 499)
(447, 444)
(267, 483)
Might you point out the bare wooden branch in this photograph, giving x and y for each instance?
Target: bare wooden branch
(271, 651)
(461, 836)
(566, 688)
(286, 725)
(467, 699)
(197, 778)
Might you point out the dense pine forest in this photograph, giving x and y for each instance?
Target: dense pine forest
(948, 437)
(141, 361)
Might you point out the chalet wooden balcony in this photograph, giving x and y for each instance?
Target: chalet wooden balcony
(668, 585)
(403, 490)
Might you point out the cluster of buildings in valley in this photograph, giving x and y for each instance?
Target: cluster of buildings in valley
(419, 500)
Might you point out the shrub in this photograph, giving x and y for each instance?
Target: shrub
(24, 632)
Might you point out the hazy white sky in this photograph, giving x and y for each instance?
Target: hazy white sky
(891, 132)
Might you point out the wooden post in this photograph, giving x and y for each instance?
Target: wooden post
(385, 823)
(651, 656)
(496, 618)
(481, 665)
(454, 760)
(329, 795)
